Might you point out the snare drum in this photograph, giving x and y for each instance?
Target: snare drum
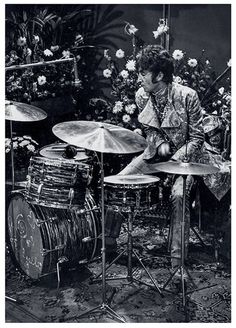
(39, 236)
(58, 183)
(131, 192)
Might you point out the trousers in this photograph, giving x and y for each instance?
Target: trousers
(113, 220)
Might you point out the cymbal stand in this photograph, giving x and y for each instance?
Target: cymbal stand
(104, 306)
(12, 158)
(130, 251)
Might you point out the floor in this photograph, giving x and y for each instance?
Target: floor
(41, 300)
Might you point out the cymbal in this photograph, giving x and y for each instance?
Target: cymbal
(130, 179)
(57, 151)
(183, 168)
(99, 136)
(16, 111)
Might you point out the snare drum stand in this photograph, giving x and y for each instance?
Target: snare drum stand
(104, 306)
(129, 249)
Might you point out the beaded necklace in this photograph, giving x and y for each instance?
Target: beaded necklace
(160, 100)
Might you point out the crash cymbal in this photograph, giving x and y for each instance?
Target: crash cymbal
(58, 151)
(183, 168)
(21, 112)
(130, 179)
(101, 137)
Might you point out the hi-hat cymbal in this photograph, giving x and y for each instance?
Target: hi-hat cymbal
(183, 168)
(21, 112)
(101, 137)
(57, 151)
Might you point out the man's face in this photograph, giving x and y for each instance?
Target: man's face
(145, 79)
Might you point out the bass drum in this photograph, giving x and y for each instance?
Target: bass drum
(39, 236)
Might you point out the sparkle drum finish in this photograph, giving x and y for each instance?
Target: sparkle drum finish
(39, 236)
(58, 183)
(128, 192)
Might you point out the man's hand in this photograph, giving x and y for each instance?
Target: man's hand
(164, 149)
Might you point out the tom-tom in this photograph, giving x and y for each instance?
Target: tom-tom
(57, 183)
(59, 150)
(40, 237)
(131, 192)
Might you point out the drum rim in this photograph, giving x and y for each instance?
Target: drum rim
(50, 161)
(150, 180)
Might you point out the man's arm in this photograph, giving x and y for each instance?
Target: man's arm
(195, 133)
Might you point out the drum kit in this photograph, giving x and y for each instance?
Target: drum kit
(49, 221)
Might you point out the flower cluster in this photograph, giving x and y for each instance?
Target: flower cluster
(122, 73)
(161, 29)
(41, 81)
(23, 147)
(214, 92)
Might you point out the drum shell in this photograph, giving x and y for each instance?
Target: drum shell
(140, 197)
(57, 183)
(39, 236)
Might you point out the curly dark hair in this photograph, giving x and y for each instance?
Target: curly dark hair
(156, 59)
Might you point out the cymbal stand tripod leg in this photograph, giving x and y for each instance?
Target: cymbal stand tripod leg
(104, 306)
(130, 251)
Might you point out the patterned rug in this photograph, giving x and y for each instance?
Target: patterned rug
(41, 301)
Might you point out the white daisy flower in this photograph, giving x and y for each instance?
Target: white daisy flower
(192, 62)
(178, 54)
(126, 118)
(107, 73)
(118, 107)
(48, 53)
(124, 74)
(130, 65)
(21, 41)
(130, 109)
(42, 80)
(120, 53)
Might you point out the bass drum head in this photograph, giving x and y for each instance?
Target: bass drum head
(39, 236)
(25, 236)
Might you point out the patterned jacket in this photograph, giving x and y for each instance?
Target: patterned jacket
(182, 123)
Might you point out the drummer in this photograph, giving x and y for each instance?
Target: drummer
(172, 121)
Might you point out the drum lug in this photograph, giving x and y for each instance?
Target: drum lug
(51, 219)
(57, 248)
(124, 197)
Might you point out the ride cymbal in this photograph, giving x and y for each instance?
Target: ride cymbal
(21, 112)
(99, 136)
